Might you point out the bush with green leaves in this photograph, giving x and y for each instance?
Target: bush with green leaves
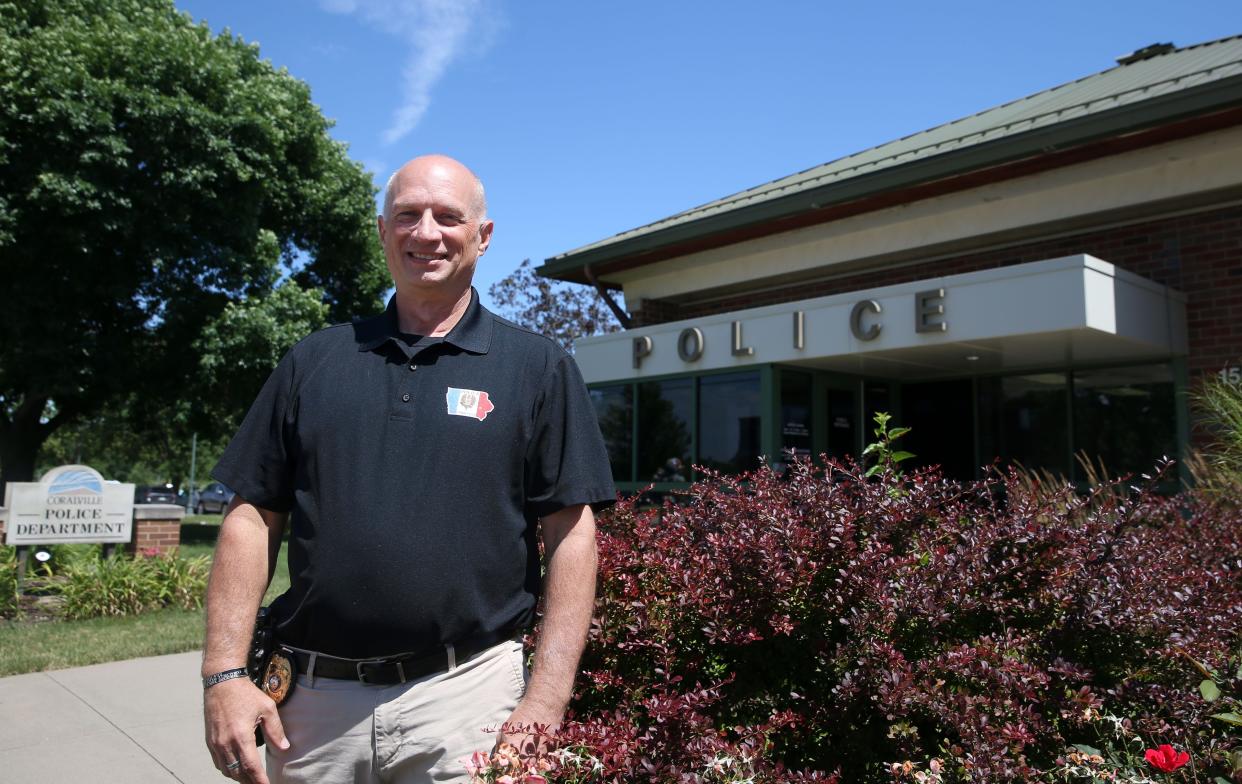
(8, 581)
(182, 581)
(125, 585)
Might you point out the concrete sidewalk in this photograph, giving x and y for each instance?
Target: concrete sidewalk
(128, 722)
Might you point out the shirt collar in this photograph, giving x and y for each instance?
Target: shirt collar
(473, 332)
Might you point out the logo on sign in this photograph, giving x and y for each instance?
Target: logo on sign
(77, 484)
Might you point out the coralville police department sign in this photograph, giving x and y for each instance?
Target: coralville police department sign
(69, 504)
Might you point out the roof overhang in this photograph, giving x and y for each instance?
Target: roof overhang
(1064, 312)
(1156, 120)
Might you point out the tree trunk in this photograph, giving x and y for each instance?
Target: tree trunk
(20, 441)
(17, 465)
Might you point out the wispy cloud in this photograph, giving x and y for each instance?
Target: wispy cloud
(435, 31)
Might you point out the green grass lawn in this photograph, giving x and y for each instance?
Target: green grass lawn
(53, 645)
(203, 519)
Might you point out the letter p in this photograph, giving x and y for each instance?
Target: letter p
(642, 348)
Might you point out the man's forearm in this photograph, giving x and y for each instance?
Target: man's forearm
(569, 543)
(242, 568)
(243, 565)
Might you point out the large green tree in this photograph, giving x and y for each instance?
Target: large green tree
(157, 183)
(146, 436)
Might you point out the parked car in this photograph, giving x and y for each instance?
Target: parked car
(154, 494)
(212, 498)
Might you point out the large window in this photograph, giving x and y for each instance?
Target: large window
(1125, 418)
(940, 415)
(664, 411)
(614, 407)
(1025, 419)
(729, 422)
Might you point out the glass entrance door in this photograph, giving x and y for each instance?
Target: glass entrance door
(941, 418)
(842, 430)
(818, 414)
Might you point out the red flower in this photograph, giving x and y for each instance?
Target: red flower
(1166, 759)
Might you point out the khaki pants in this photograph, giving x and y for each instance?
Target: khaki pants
(346, 732)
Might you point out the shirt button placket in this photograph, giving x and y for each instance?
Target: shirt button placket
(405, 397)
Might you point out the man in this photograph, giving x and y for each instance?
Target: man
(414, 457)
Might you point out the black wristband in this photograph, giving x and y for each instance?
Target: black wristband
(227, 675)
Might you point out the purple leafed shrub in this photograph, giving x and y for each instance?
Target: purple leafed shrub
(822, 626)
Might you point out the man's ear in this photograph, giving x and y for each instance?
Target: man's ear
(485, 235)
(379, 224)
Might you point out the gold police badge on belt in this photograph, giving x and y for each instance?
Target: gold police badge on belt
(279, 677)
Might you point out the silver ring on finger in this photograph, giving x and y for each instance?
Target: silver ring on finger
(233, 766)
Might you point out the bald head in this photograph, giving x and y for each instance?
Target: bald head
(438, 166)
(433, 230)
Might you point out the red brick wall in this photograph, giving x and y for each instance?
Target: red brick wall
(1199, 255)
(155, 537)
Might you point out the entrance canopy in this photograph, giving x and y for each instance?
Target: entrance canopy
(1062, 312)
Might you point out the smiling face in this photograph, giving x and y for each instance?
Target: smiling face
(433, 228)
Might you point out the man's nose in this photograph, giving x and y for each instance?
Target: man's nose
(426, 228)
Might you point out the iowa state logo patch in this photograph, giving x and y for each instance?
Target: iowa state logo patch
(468, 403)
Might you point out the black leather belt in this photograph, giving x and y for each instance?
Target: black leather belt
(390, 670)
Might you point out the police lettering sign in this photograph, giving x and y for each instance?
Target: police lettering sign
(69, 504)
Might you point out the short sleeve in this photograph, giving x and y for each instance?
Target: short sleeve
(567, 463)
(257, 464)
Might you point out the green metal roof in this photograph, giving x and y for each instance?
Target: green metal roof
(1148, 92)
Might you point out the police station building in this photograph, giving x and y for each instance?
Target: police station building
(1043, 278)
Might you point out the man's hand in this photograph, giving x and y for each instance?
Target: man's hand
(231, 711)
(529, 715)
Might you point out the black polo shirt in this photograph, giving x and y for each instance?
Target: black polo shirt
(414, 476)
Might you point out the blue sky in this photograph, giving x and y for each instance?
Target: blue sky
(585, 119)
